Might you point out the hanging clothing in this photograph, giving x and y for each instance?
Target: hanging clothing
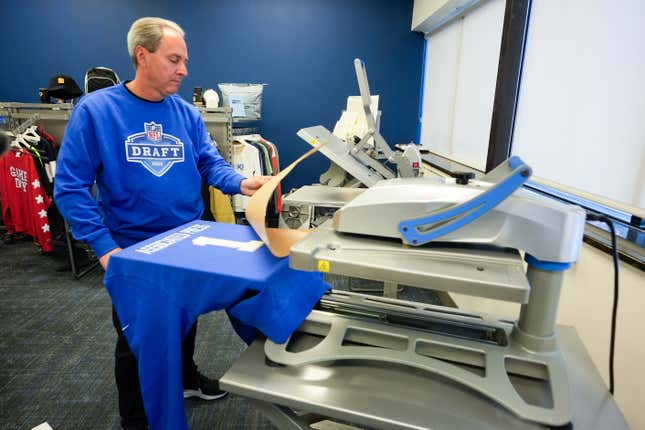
(246, 161)
(265, 158)
(253, 155)
(275, 169)
(24, 200)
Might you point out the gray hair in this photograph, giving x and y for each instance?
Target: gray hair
(147, 32)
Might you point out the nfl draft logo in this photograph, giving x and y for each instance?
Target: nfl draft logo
(153, 131)
(155, 150)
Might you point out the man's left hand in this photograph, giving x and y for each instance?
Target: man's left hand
(250, 185)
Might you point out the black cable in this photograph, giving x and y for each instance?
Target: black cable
(614, 312)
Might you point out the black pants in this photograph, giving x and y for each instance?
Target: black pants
(127, 375)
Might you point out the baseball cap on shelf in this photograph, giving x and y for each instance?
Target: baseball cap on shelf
(63, 87)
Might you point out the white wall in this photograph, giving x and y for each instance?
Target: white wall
(585, 304)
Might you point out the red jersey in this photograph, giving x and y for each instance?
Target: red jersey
(24, 201)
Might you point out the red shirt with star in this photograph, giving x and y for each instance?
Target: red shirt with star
(24, 201)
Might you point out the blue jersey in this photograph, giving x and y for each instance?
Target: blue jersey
(148, 159)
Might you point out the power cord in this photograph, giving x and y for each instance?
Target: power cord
(612, 340)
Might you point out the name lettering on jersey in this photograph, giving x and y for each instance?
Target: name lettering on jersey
(155, 150)
(20, 176)
(172, 239)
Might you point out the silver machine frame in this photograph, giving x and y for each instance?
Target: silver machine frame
(396, 364)
(527, 347)
(381, 362)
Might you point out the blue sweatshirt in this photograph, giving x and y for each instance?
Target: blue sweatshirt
(149, 160)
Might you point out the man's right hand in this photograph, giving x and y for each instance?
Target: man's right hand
(249, 186)
(106, 257)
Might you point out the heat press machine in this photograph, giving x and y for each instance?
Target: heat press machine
(355, 165)
(363, 160)
(395, 364)
(311, 205)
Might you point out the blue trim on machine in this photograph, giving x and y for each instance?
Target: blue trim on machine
(515, 162)
(550, 266)
(456, 217)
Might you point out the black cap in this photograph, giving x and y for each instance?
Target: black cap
(63, 87)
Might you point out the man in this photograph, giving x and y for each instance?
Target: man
(149, 152)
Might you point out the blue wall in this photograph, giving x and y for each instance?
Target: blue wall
(303, 50)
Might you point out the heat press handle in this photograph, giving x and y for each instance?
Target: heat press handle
(419, 231)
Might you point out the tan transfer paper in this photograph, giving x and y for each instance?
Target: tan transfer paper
(279, 240)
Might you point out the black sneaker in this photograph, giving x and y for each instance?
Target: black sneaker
(204, 388)
(135, 427)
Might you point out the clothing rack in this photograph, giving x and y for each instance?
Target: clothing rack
(23, 126)
(218, 123)
(77, 270)
(53, 118)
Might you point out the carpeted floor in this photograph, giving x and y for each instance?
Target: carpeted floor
(57, 346)
(57, 343)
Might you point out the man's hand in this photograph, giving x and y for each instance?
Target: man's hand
(104, 259)
(250, 185)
